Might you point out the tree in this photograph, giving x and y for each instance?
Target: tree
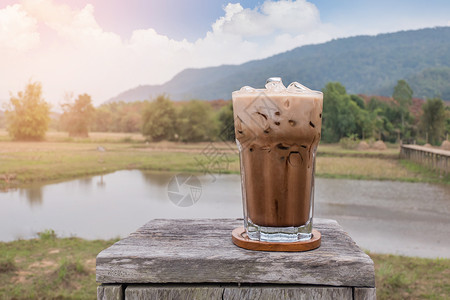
(78, 116)
(131, 122)
(386, 119)
(28, 115)
(447, 121)
(433, 120)
(381, 125)
(403, 95)
(119, 117)
(2, 120)
(159, 120)
(226, 122)
(342, 116)
(196, 122)
(103, 119)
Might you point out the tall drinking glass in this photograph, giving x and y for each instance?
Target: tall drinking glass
(277, 133)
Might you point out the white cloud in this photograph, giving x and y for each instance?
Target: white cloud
(82, 57)
(293, 17)
(18, 31)
(76, 26)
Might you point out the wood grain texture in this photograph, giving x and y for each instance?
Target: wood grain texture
(110, 292)
(241, 239)
(279, 293)
(236, 293)
(365, 294)
(173, 292)
(201, 251)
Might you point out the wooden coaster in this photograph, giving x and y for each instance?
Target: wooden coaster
(241, 239)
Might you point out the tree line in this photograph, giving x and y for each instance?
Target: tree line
(389, 120)
(345, 115)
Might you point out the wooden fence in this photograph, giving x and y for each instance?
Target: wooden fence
(436, 159)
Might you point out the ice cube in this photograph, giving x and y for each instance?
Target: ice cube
(275, 84)
(247, 89)
(297, 87)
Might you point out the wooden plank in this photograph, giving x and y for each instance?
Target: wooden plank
(236, 293)
(279, 293)
(365, 293)
(172, 292)
(110, 292)
(427, 149)
(201, 251)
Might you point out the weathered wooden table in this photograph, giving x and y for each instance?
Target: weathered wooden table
(196, 259)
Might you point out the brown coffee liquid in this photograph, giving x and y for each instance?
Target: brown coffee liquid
(278, 134)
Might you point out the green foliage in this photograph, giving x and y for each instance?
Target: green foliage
(159, 120)
(28, 114)
(433, 120)
(403, 94)
(347, 115)
(447, 121)
(2, 120)
(103, 119)
(384, 117)
(342, 116)
(78, 116)
(358, 100)
(163, 119)
(47, 234)
(226, 122)
(196, 122)
(119, 117)
(431, 82)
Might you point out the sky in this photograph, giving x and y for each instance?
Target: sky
(104, 47)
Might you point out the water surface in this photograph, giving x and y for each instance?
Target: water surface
(381, 216)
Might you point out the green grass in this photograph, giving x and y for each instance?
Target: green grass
(428, 173)
(50, 267)
(392, 152)
(48, 234)
(400, 277)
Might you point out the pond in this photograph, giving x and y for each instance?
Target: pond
(381, 216)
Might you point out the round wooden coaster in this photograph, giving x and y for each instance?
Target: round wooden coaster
(241, 239)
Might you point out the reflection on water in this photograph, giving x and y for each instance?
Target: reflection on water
(33, 195)
(160, 179)
(109, 206)
(381, 216)
(85, 182)
(100, 182)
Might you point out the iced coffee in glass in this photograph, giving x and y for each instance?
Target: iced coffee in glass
(277, 133)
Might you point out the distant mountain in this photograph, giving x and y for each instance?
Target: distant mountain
(363, 64)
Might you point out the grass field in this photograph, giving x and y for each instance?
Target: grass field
(60, 158)
(49, 267)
